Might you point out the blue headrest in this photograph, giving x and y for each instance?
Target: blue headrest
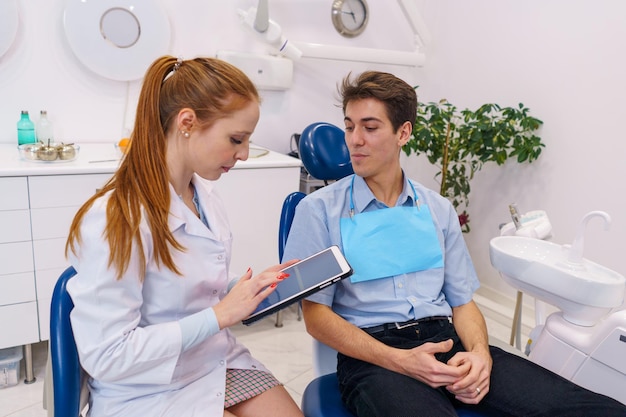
(324, 153)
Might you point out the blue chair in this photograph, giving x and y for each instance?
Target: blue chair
(286, 218)
(284, 224)
(324, 153)
(67, 374)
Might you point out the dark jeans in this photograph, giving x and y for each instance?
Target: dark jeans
(518, 386)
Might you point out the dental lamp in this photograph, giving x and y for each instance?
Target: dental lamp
(268, 30)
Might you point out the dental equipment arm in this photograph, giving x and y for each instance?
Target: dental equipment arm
(262, 18)
(415, 58)
(268, 30)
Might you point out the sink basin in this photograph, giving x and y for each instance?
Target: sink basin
(584, 291)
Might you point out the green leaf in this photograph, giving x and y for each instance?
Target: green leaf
(490, 133)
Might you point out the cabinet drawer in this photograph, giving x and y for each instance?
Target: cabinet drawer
(16, 258)
(46, 280)
(64, 190)
(44, 318)
(49, 253)
(49, 223)
(20, 325)
(17, 288)
(15, 226)
(14, 193)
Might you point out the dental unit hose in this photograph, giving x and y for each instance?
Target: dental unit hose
(517, 221)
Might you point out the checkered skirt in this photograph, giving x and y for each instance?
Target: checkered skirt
(243, 384)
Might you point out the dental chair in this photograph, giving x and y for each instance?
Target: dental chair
(324, 153)
(325, 156)
(69, 391)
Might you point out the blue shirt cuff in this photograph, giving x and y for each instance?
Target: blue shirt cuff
(197, 327)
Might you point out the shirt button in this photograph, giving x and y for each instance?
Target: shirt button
(214, 291)
(253, 366)
(220, 257)
(222, 363)
(400, 285)
(219, 394)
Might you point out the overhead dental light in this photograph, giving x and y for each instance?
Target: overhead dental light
(270, 32)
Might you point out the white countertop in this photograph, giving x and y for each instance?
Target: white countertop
(102, 158)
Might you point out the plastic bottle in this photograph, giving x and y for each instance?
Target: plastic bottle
(25, 129)
(44, 130)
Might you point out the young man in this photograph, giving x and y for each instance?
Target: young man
(411, 341)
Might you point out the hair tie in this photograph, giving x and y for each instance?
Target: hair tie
(177, 65)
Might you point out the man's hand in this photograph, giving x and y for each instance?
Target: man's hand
(472, 330)
(420, 363)
(471, 388)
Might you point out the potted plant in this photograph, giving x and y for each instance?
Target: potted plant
(459, 142)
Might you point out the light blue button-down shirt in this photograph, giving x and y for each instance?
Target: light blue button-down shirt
(394, 299)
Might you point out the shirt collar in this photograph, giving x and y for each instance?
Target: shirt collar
(181, 216)
(363, 196)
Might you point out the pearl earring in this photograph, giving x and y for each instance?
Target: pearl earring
(185, 134)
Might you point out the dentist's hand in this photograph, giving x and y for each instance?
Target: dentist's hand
(247, 293)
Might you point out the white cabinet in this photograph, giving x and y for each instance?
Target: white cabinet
(32, 248)
(254, 199)
(18, 301)
(14, 194)
(38, 202)
(54, 200)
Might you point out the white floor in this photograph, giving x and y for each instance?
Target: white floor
(286, 351)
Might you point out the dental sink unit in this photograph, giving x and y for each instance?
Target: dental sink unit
(585, 342)
(583, 290)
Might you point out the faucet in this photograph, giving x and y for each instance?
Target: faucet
(576, 250)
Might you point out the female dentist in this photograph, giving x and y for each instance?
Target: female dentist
(152, 304)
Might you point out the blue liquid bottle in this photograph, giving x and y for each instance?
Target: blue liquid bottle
(25, 129)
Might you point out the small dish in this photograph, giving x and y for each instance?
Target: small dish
(53, 153)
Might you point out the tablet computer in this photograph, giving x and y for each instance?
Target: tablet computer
(305, 277)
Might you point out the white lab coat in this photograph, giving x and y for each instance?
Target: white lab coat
(127, 332)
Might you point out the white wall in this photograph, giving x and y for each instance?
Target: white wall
(40, 70)
(562, 58)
